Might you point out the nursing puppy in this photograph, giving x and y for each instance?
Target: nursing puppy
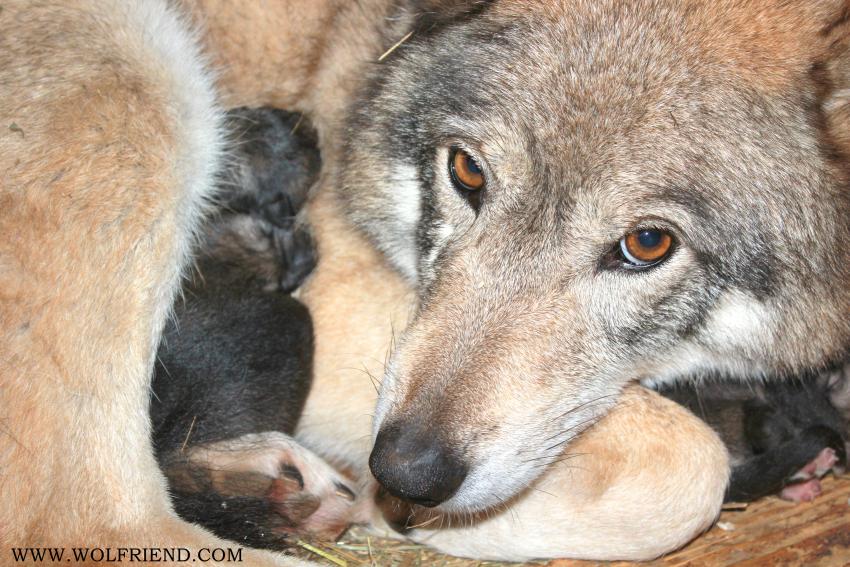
(234, 367)
(782, 436)
(520, 164)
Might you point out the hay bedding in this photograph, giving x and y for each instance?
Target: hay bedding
(358, 549)
(768, 532)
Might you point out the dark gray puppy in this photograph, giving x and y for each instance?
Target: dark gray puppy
(236, 358)
(782, 435)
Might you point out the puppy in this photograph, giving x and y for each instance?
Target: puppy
(782, 436)
(234, 367)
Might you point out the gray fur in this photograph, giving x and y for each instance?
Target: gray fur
(598, 118)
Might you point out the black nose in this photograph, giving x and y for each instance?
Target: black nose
(412, 464)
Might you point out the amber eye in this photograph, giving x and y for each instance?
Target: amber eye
(465, 172)
(643, 248)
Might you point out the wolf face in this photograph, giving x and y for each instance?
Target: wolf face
(587, 193)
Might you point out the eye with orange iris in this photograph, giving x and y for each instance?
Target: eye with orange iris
(465, 172)
(647, 247)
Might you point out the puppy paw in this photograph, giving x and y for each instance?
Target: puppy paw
(824, 462)
(263, 486)
(806, 484)
(802, 491)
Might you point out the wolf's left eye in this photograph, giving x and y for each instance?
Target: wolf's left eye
(647, 247)
(465, 172)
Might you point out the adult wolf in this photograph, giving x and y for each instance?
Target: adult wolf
(541, 135)
(644, 190)
(574, 219)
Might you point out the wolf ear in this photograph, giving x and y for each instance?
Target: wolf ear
(430, 14)
(832, 74)
(448, 6)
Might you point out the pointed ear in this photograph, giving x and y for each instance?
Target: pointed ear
(774, 43)
(832, 74)
(432, 14)
(448, 7)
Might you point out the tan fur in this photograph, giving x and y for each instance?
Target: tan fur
(301, 55)
(89, 238)
(607, 497)
(95, 217)
(357, 303)
(649, 456)
(772, 46)
(103, 182)
(770, 43)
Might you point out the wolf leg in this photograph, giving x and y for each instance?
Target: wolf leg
(643, 481)
(108, 149)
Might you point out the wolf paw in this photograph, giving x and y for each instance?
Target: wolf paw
(261, 489)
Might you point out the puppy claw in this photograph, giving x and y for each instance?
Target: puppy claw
(292, 474)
